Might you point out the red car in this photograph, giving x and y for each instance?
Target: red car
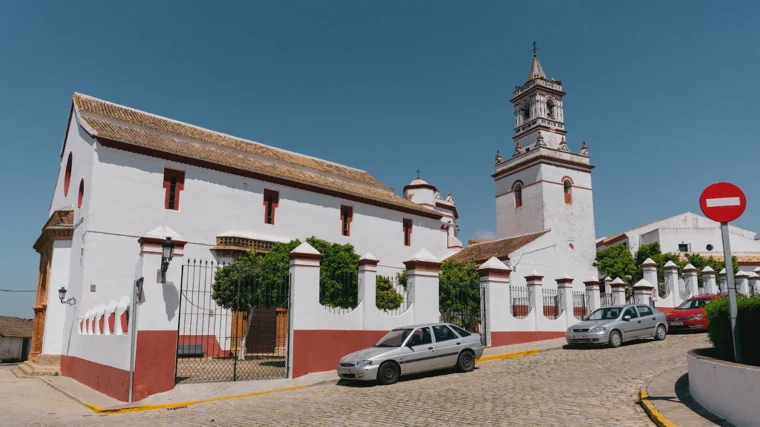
(690, 315)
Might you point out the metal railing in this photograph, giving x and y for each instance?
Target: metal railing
(388, 287)
(551, 303)
(460, 304)
(607, 300)
(580, 308)
(519, 301)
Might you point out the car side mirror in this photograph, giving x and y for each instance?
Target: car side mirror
(626, 318)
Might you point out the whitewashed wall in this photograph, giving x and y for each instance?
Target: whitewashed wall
(55, 316)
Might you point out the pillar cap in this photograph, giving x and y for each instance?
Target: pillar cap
(708, 270)
(618, 283)
(742, 273)
(723, 271)
(305, 251)
(534, 275)
(669, 265)
(752, 275)
(689, 267)
(643, 284)
(368, 259)
(649, 262)
(423, 258)
(493, 266)
(564, 279)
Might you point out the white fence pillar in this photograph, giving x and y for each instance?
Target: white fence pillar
(304, 293)
(673, 297)
(708, 280)
(536, 299)
(422, 272)
(742, 282)
(494, 282)
(368, 280)
(565, 290)
(690, 277)
(723, 281)
(642, 292)
(650, 275)
(618, 291)
(592, 294)
(607, 285)
(753, 283)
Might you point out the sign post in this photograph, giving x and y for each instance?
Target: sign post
(724, 202)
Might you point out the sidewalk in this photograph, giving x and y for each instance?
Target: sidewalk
(668, 402)
(190, 394)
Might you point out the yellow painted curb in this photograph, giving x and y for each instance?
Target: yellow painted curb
(653, 413)
(142, 408)
(507, 355)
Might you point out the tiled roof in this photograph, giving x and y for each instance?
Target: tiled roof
(15, 327)
(134, 127)
(481, 252)
(612, 239)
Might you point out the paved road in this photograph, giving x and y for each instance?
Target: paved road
(595, 387)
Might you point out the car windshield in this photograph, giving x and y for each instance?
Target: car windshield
(695, 303)
(604, 314)
(393, 338)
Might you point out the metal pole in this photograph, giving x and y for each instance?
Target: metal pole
(727, 261)
(132, 336)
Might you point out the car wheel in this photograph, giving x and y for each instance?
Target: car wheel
(659, 335)
(466, 361)
(615, 339)
(388, 373)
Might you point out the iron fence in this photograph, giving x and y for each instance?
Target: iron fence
(551, 303)
(339, 292)
(607, 300)
(460, 304)
(580, 309)
(388, 287)
(519, 301)
(232, 323)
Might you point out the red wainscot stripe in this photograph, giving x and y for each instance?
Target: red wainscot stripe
(154, 363)
(509, 338)
(108, 380)
(321, 350)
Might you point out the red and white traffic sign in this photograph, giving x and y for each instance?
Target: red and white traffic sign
(723, 202)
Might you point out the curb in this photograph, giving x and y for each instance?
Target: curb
(142, 408)
(653, 413)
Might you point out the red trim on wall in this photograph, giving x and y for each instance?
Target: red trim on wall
(101, 324)
(124, 323)
(567, 178)
(407, 227)
(111, 323)
(108, 380)
(81, 193)
(179, 179)
(210, 343)
(321, 350)
(154, 362)
(275, 197)
(508, 338)
(67, 176)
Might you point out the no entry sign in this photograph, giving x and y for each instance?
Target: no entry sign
(723, 202)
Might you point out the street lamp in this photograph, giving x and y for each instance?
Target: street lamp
(62, 295)
(167, 252)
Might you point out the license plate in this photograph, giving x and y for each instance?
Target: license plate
(676, 323)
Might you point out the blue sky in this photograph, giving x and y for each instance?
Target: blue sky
(665, 93)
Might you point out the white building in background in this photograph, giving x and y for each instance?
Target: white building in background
(126, 175)
(544, 200)
(690, 233)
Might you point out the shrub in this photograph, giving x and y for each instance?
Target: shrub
(748, 319)
(386, 297)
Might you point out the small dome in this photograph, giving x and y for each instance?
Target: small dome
(419, 181)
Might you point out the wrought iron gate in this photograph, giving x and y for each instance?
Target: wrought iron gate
(463, 305)
(232, 324)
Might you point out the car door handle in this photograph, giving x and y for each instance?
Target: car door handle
(459, 343)
(430, 348)
(639, 321)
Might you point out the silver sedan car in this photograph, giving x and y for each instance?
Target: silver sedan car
(413, 349)
(617, 324)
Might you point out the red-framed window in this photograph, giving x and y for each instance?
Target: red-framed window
(568, 188)
(407, 232)
(80, 197)
(346, 217)
(67, 175)
(271, 200)
(174, 183)
(517, 188)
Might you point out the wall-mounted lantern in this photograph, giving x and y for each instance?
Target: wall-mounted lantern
(167, 253)
(62, 295)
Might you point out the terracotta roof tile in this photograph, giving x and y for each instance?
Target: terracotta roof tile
(482, 252)
(118, 123)
(15, 327)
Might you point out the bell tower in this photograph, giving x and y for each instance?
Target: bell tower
(544, 185)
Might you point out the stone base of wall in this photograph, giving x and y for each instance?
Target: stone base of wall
(50, 359)
(508, 338)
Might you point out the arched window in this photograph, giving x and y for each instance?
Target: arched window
(525, 111)
(568, 186)
(67, 175)
(81, 193)
(550, 108)
(518, 194)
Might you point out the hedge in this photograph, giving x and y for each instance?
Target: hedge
(748, 321)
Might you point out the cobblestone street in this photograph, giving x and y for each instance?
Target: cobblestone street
(588, 387)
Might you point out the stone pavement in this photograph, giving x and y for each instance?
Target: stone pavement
(669, 393)
(588, 387)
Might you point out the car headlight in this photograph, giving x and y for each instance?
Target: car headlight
(363, 363)
(697, 317)
(598, 329)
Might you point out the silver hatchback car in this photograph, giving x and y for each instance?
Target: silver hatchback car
(617, 324)
(413, 349)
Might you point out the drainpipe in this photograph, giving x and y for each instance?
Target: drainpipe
(132, 337)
